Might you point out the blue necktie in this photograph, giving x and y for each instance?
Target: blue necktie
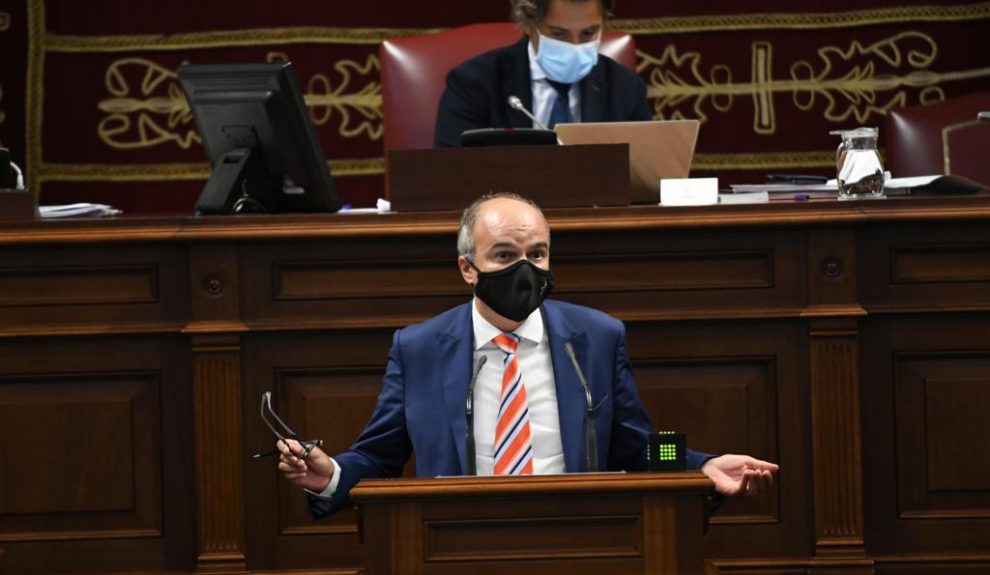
(561, 111)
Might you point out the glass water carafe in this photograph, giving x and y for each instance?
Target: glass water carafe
(858, 168)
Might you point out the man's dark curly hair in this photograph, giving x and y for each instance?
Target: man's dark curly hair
(528, 13)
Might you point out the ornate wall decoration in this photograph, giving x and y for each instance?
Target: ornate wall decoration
(112, 85)
(360, 108)
(144, 113)
(147, 107)
(851, 83)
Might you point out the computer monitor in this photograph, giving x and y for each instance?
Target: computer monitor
(260, 140)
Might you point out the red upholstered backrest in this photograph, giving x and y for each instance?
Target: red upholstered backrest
(414, 70)
(940, 138)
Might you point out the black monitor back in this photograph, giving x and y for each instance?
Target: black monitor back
(260, 140)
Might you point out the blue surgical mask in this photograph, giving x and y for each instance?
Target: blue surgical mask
(565, 62)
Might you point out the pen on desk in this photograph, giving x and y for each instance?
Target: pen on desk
(801, 197)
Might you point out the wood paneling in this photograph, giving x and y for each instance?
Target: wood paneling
(324, 385)
(95, 455)
(800, 333)
(942, 402)
(83, 416)
(575, 536)
(78, 286)
(925, 405)
(88, 290)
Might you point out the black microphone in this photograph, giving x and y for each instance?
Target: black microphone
(469, 415)
(590, 437)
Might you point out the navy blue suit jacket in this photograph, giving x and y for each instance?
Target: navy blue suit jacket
(421, 406)
(478, 90)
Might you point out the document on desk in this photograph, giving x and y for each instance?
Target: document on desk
(933, 184)
(80, 210)
(831, 187)
(939, 184)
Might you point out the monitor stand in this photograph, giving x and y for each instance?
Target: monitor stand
(240, 184)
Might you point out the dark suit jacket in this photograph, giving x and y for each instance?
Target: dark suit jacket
(421, 406)
(478, 89)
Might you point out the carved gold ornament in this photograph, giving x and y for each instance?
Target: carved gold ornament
(850, 84)
(147, 108)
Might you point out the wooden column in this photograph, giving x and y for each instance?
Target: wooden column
(834, 315)
(215, 334)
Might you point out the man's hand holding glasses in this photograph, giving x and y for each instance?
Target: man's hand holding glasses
(301, 462)
(311, 470)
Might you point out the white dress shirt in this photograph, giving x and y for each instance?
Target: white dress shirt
(536, 367)
(544, 95)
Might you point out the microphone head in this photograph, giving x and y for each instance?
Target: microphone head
(515, 103)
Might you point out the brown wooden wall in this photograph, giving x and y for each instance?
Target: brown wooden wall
(846, 341)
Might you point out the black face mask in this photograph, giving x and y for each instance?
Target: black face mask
(514, 292)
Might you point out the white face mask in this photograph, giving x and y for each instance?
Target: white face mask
(565, 62)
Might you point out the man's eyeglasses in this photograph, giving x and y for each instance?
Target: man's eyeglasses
(281, 430)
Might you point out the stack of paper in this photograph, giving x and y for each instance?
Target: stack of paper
(934, 184)
(81, 210)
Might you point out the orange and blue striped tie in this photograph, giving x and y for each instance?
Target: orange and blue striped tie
(513, 446)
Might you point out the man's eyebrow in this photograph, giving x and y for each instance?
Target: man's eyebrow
(502, 246)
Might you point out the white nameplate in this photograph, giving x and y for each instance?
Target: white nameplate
(689, 192)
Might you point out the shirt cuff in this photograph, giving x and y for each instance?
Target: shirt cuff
(331, 487)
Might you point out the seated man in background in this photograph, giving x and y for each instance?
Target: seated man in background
(555, 71)
(529, 403)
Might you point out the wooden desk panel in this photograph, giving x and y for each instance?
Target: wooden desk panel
(835, 338)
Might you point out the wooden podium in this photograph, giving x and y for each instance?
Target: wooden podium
(575, 524)
(553, 176)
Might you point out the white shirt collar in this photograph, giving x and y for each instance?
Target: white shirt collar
(484, 332)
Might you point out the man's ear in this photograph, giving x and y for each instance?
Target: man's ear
(534, 36)
(468, 272)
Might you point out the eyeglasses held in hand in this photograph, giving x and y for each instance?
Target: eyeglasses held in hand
(281, 430)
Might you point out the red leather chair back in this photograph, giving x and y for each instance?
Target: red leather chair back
(941, 138)
(414, 72)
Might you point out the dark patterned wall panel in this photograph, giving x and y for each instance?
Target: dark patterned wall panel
(768, 80)
(13, 54)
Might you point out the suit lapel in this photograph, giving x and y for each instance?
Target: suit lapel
(517, 83)
(571, 402)
(455, 355)
(593, 95)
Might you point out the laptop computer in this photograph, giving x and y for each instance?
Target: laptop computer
(657, 149)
